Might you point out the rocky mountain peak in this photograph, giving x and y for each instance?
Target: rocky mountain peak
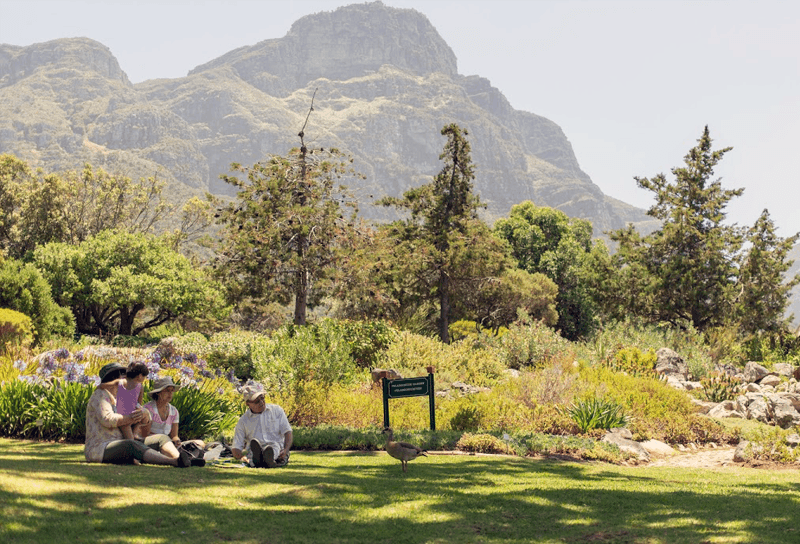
(83, 54)
(352, 41)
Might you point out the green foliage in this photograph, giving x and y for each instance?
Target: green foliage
(770, 444)
(468, 416)
(23, 288)
(287, 231)
(547, 241)
(204, 412)
(482, 443)
(530, 343)
(587, 448)
(115, 277)
(597, 413)
(765, 290)
(464, 360)
(368, 340)
(632, 361)
(61, 411)
(18, 400)
(228, 351)
(719, 386)
(16, 329)
(442, 239)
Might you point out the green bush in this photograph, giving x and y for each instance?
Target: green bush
(18, 400)
(719, 386)
(24, 289)
(367, 340)
(590, 414)
(205, 413)
(468, 416)
(532, 344)
(231, 350)
(482, 443)
(16, 329)
(61, 412)
(633, 361)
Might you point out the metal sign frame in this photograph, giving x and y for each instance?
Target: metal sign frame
(421, 386)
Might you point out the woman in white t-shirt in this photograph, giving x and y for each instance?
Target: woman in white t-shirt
(164, 418)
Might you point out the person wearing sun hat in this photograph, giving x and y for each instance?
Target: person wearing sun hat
(104, 441)
(162, 433)
(263, 431)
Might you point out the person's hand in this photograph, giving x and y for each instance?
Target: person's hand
(176, 440)
(136, 416)
(281, 455)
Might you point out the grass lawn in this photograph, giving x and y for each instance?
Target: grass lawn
(48, 494)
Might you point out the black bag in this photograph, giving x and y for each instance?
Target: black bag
(194, 451)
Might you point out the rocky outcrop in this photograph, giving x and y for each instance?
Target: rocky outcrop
(385, 81)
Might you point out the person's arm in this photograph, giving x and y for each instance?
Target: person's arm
(110, 418)
(173, 434)
(288, 438)
(237, 454)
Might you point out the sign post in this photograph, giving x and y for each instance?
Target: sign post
(409, 387)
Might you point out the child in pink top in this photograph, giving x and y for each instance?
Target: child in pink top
(130, 393)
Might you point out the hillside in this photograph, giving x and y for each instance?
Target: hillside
(385, 82)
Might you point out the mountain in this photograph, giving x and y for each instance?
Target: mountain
(385, 84)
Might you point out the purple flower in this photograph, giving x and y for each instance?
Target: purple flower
(188, 372)
(89, 380)
(27, 379)
(20, 365)
(48, 366)
(78, 356)
(206, 374)
(61, 353)
(192, 358)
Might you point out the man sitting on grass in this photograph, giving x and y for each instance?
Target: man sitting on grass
(264, 428)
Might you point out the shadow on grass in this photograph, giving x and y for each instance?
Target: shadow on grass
(365, 497)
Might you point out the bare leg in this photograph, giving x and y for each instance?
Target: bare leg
(170, 450)
(127, 433)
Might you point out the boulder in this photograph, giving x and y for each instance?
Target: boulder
(754, 372)
(783, 369)
(627, 446)
(725, 409)
(703, 406)
(793, 440)
(670, 363)
(770, 380)
(656, 447)
(745, 451)
(760, 410)
(753, 388)
(785, 414)
(622, 431)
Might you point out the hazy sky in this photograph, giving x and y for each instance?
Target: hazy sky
(631, 83)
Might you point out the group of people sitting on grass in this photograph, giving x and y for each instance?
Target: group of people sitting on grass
(121, 430)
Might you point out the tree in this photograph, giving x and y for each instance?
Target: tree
(685, 271)
(544, 240)
(441, 211)
(286, 234)
(763, 290)
(119, 282)
(37, 208)
(24, 289)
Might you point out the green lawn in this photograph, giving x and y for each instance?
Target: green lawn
(48, 494)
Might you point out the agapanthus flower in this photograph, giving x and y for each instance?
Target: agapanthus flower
(48, 365)
(192, 358)
(78, 356)
(20, 365)
(89, 380)
(27, 379)
(61, 353)
(187, 371)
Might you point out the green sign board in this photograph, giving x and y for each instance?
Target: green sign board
(409, 387)
(421, 386)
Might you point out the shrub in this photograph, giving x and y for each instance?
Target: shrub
(633, 361)
(204, 412)
(24, 289)
(16, 329)
(596, 413)
(482, 443)
(61, 411)
(719, 386)
(532, 344)
(231, 351)
(17, 402)
(367, 340)
(468, 416)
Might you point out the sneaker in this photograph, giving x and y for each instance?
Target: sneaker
(257, 453)
(269, 458)
(184, 460)
(198, 462)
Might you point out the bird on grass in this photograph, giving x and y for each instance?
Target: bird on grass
(403, 451)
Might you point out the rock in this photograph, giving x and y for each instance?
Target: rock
(627, 446)
(511, 372)
(670, 363)
(702, 406)
(785, 414)
(726, 409)
(783, 369)
(759, 410)
(745, 451)
(793, 440)
(622, 431)
(656, 447)
(691, 386)
(754, 372)
(770, 381)
(753, 388)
